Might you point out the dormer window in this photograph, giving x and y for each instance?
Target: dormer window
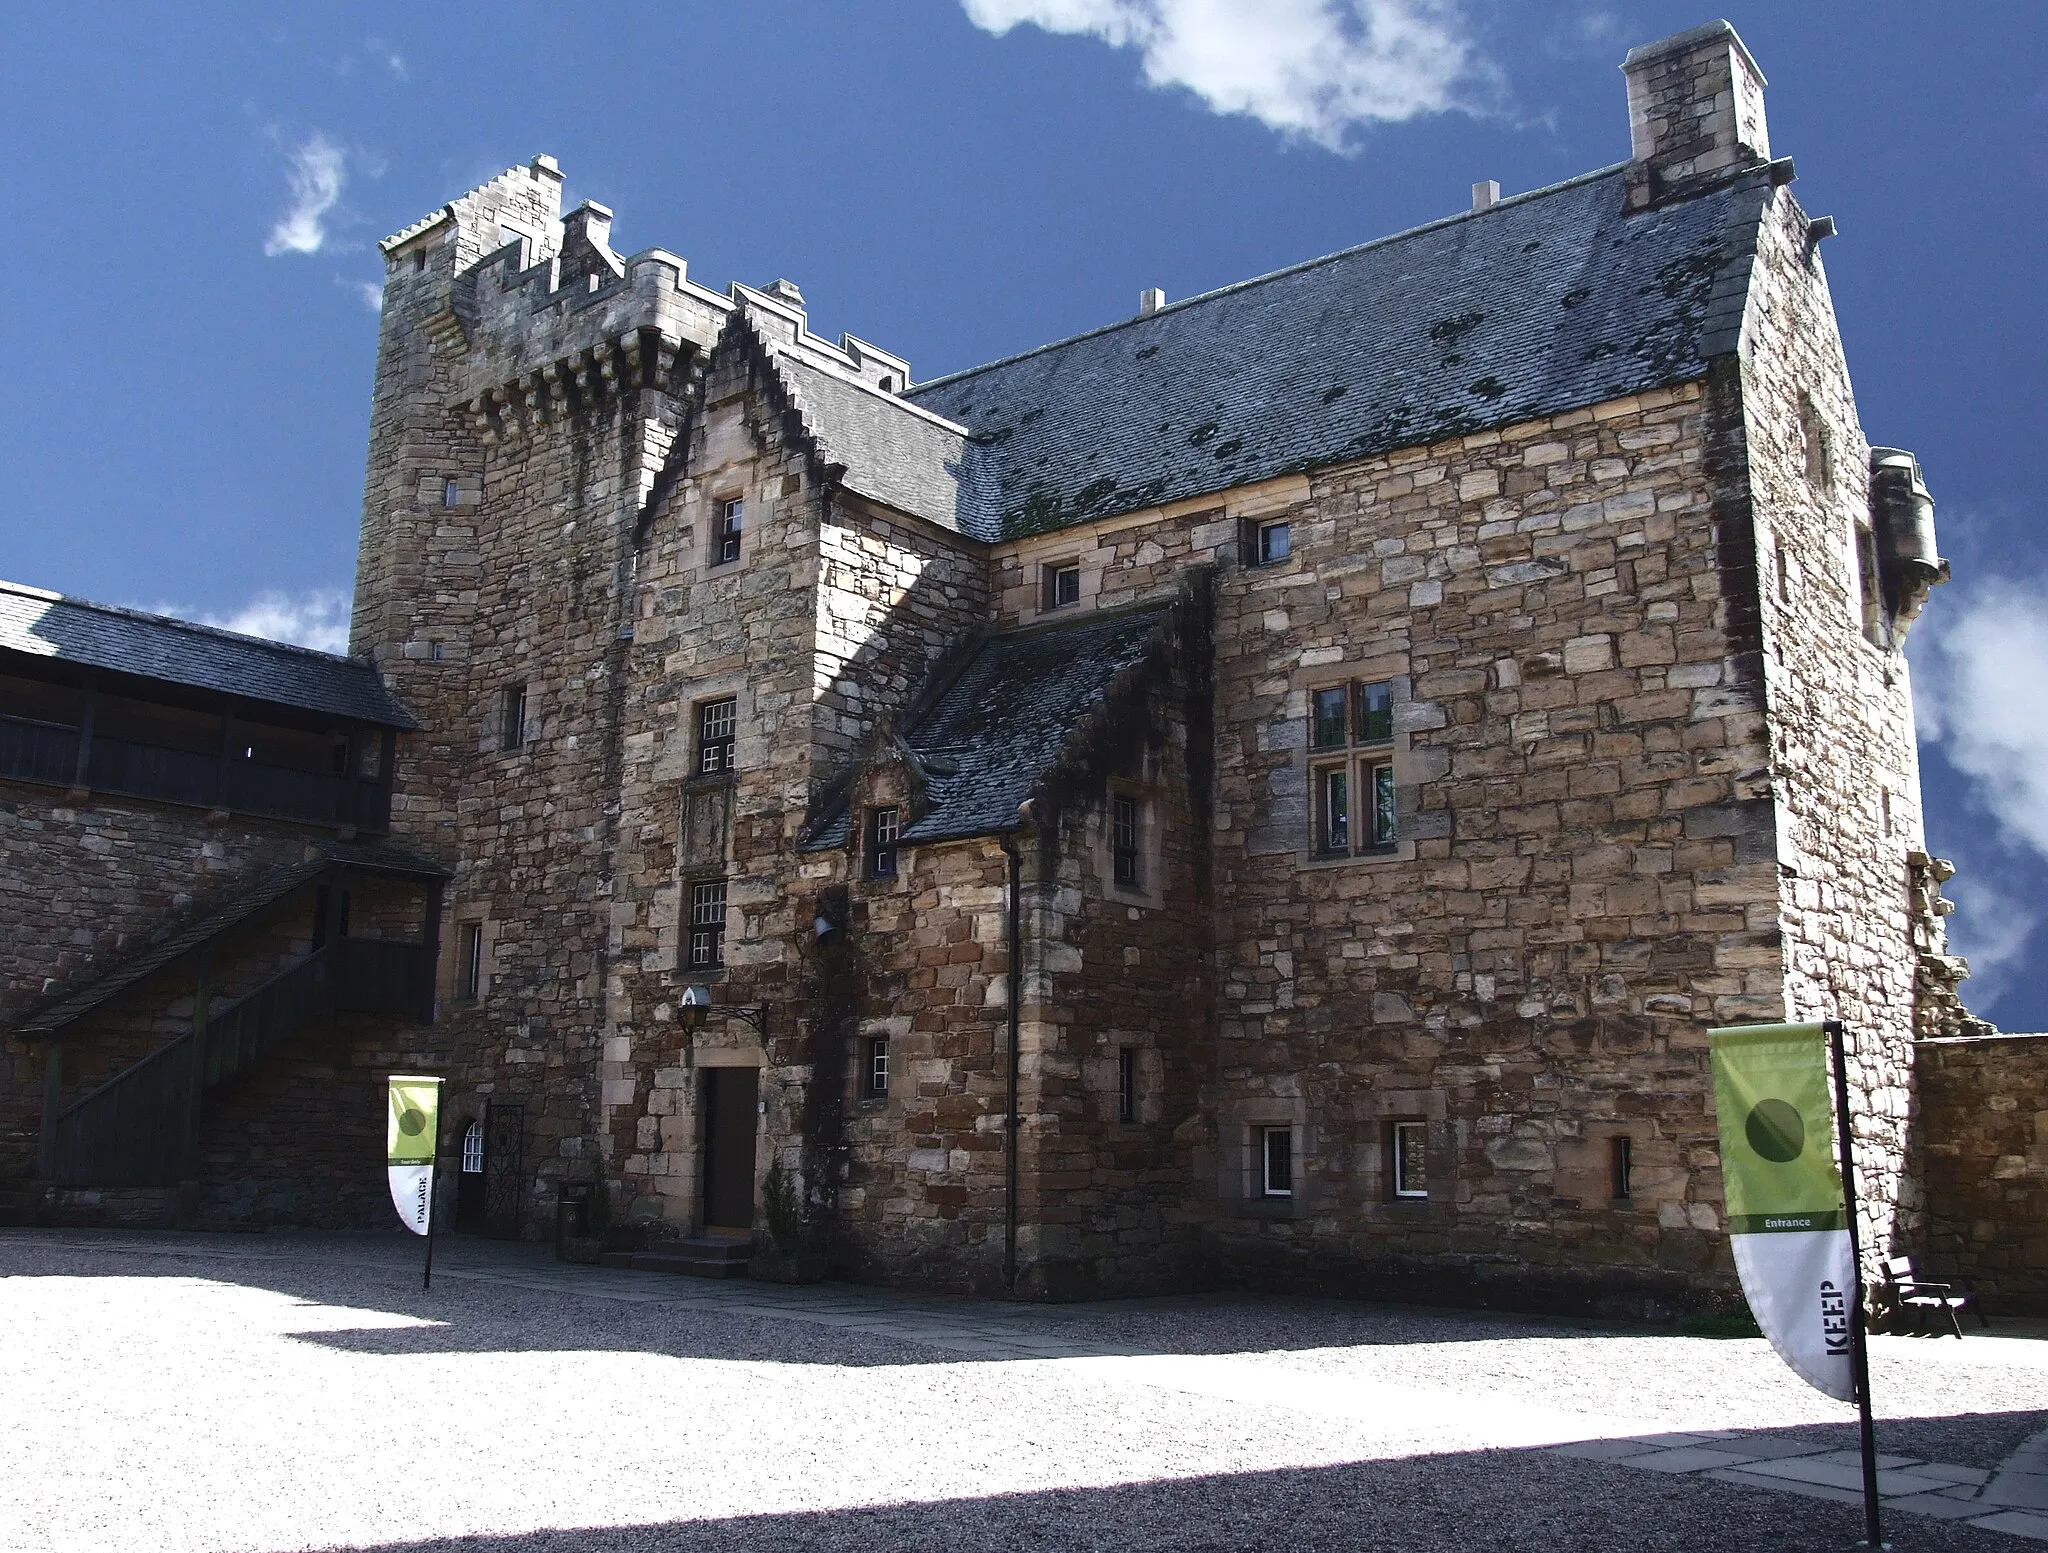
(885, 826)
(887, 385)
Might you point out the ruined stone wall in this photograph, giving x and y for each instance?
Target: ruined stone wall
(1981, 1159)
(1843, 765)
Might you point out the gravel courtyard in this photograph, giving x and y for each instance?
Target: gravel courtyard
(185, 1392)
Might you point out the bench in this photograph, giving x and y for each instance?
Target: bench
(1907, 1302)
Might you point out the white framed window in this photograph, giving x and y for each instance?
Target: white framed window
(1059, 584)
(451, 492)
(732, 522)
(1351, 772)
(885, 826)
(1127, 1083)
(875, 1072)
(473, 1149)
(717, 723)
(707, 925)
(1408, 1143)
(1276, 1161)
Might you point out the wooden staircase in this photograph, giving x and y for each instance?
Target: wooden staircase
(141, 1127)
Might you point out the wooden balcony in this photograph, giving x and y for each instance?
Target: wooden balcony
(33, 751)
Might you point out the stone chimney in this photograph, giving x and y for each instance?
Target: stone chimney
(1485, 194)
(1150, 301)
(1695, 108)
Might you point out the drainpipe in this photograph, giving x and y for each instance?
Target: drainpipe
(1014, 936)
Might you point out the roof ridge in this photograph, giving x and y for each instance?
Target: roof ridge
(128, 612)
(1297, 268)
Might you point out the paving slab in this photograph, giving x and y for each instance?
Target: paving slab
(2016, 1523)
(2024, 1490)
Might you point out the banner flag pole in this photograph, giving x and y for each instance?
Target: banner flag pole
(411, 1141)
(1858, 1325)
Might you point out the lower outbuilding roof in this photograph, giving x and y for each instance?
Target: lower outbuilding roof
(41, 624)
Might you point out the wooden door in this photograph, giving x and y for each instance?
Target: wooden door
(730, 1098)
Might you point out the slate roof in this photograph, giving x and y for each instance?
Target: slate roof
(128, 641)
(913, 462)
(1549, 301)
(998, 725)
(75, 1001)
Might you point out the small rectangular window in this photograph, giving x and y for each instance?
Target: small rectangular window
(732, 520)
(451, 493)
(1123, 839)
(1784, 574)
(707, 925)
(1275, 543)
(1411, 1159)
(1276, 1161)
(1375, 713)
(1376, 781)
(1333, 811)
(1059, 584)
(471, 967)
(1620, 1152)
(885, 825)
(1326, 719)
(716, 723)
(1127, 1084)
(512, 717)
(875, 1072)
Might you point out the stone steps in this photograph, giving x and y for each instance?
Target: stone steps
(698, 1257)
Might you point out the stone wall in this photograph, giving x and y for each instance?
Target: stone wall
(1981, 1157)
(93, 880)
(1843, 767)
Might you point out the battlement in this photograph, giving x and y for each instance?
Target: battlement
(539, 316)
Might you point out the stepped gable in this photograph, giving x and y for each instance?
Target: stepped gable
(1546, 302)
(42, 624)
(68, 1005)
(996, 723)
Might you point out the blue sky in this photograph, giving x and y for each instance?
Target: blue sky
(197, 194)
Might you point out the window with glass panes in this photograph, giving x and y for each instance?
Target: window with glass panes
(1409, 1145)
(707, 925)
(1123, 839)
(885, 825)
(1276, 1161)
(716, 723)
(877, 1069)
(1351, 772)
(732, 521)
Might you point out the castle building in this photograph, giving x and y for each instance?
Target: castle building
(1274, 789)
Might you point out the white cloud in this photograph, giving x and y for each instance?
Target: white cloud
(315, 618)
(1314, 69)
(319, 169)
(1980, 667)
(387, 56)
(372, 294)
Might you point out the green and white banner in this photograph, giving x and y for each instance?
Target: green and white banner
(411, 1125)
(1787, 1222)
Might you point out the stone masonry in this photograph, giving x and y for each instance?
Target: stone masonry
(1067, 939)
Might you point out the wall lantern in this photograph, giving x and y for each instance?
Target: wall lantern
(696, 1008)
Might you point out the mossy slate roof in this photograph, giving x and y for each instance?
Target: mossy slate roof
(41, 624)
(998, 720)
(1549, 301)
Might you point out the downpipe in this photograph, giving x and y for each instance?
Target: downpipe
(1014, 937)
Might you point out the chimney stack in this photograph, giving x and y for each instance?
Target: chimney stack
(1485, 194)
(1695, 108)
(1150, 301)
